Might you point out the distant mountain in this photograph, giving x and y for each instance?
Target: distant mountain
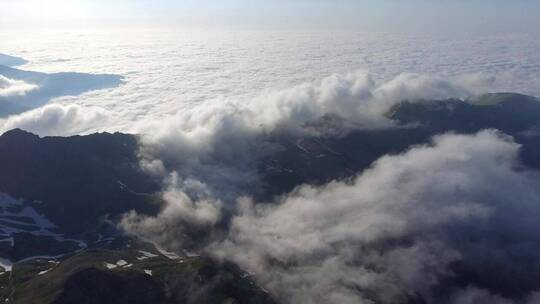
(60, 198)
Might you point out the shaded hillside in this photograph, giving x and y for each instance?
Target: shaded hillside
(75, 180)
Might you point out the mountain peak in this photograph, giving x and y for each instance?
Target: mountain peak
(18, 132)
(18, 135)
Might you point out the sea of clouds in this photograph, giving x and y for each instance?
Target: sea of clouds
(453, 221)
(167, 72)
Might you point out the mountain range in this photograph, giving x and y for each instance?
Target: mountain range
(62, 198)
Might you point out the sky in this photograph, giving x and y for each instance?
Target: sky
(385, 15)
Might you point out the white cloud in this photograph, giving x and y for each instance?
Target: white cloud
(56, 119)
(181, 215)
(11, 87)
(396, 231)
(219, 137)
(353, 96)
(413, 87)
(169, 72)
(216, 145)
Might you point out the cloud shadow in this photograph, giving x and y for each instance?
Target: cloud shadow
(50, 86)
(11, 61)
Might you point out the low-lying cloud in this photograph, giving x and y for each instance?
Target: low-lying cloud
(452, 222)
(57, 120)
(431, 224)
(182, 218)
(214, 143)
(10, 87)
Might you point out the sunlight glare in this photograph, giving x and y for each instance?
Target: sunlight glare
(59, 9)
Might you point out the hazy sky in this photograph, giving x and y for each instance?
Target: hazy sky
(481, 15)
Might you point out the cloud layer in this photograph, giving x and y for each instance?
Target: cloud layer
(11, 87)
(207, 156)
(221, 137)
(168, 72)
(395, 234)
(453, 222)
(27, 90)
(57, 120)
(184, 219)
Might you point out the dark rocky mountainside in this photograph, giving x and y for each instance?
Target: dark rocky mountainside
(78, 180)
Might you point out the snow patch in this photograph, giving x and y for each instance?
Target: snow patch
(121, 263)
(6, 264)
(44, 271)
(167, 254)
(110, 266)
(146, 255)
(18, 215)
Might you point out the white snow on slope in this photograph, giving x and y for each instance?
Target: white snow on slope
(121, 263)
(15, 217)
(110, 266)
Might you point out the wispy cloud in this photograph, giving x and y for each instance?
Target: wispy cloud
(420, 224)
(11, 87)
